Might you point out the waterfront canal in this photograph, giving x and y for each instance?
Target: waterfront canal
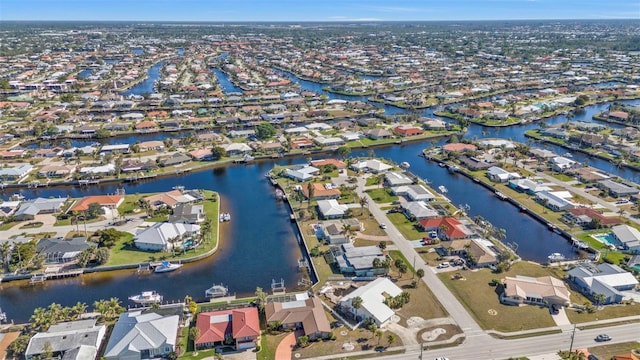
(260, 244)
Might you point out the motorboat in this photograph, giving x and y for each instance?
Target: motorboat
(405, 165)
(443, 189)
(166, 266)
(556, 257)
(216, 291)
(146, 298)
(225, 217)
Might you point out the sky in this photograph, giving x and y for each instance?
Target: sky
(316, 10)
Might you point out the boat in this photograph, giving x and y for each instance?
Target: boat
(453, 168)
(146, 298)
(443, 189)
(225, 217)
(501, 196)
(580, 244)
(405, 165)
(442, 165)
(216, 291)
(166, 266)
(556, 257)
(427, 181)
(279, 194)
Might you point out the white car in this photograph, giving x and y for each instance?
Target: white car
(443, 265)
(441, 358)
(383, 226)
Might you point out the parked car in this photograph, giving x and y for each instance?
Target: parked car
(380, 349)
(441, 358)
(555, 309)
(603, 337)
(443, 265)
(383, 226)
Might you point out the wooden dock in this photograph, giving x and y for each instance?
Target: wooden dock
(54, 273)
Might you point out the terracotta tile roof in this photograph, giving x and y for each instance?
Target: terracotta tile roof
(459, 147)
(320, 191)
(339, 164)
(104, 200)
(239, 323)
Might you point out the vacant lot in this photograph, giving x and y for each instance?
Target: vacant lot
(409, 229)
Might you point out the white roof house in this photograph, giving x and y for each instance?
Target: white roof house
(331, 208)
(301, 173)
(157, 237)
(419, 210)
(606, 279)
(135, 333)
(555, 200)
(628, 236)
(103, 169)
(372, 165)
(415, 192)
(498, 174)
(394, 178)
(373, 295)
(560, 163)
(82, 335)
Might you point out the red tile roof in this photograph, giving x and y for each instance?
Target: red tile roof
(104, 200)
(459, 147)
(448, 225)
(239, 323)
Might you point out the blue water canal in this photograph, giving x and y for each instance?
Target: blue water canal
(260, 244)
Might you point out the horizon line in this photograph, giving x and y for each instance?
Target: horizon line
(313, 21)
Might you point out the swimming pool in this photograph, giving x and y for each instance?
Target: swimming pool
(606, 238)
(187, 244)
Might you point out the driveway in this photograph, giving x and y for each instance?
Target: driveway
(285, 348)
(561, 318)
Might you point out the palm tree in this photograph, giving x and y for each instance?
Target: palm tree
(390, 339)
(356, 303)
(194, 334)
(78, 309)
(363, 202)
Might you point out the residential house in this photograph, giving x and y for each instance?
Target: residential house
(151, 145)
(359, 261)
(588, 140)
(73, 340)
(61, 250)
(98, 170)
(175, 159)
(373, 296)
(329, 162)
(584, 216)
(131, 165)
(174, 197)
(414, 192)
(201, 154)
(378, 134)
(165, 236)
(29, 209)
(331, 209)
(334, 235)
(555, 132)
(239, 328)
(405, 131)
(433, 124)
(448, 228)
(320, 191)
(459, 147)
(301, 172)
(529, 186)
(115, 149)
(544, 291)
(187, 214)
(15, 173)
(605, 279)
(555, 200)
(562, 164)
(617, 189)
(587, 174)
(629, 237)
(146, 126)
(479, 252)
(236, 149)
(142, 335)
(475, 164)
(303, 313)
(55, 171)
(619, 116)
(500, 175)
(303, 143)
(371, 165)
(418, 210)
(394, 178)
(107, 201)
(328, 141)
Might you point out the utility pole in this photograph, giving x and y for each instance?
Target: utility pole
(414, 274)
(573, 334)
(421, 347)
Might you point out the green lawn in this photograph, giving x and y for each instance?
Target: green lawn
(268, 346)
(607, 312)
(609, 350)
(382, 195)
(8, 225)
(125, 253)
(483, 302)
(409, 229)
(612, 256)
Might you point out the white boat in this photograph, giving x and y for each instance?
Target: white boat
(442, 164)
(216, 291)
(443, 189)
(146, 298)
(556, 257)
(225, 217)
(279, 194)
(405, 165)
(166, 266)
